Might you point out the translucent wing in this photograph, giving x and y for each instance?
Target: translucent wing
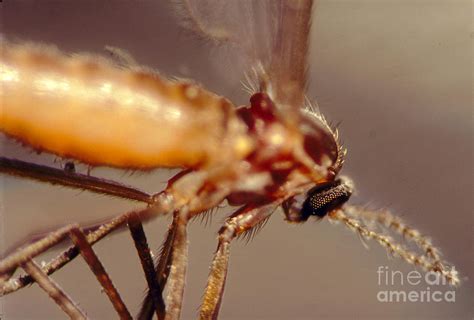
(273, 34)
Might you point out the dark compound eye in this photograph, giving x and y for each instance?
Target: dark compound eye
(318, 201)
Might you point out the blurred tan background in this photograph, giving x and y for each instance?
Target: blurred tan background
(396, 75)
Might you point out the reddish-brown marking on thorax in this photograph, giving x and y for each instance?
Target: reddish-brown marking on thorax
(259, 117)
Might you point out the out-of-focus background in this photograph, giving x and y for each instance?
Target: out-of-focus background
(396, 76)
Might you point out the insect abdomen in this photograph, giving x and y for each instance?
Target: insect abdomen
(102, 114)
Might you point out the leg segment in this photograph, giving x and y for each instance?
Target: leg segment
(80, 240)
(71, 179)
(23, 257)
(53, 290)
(141, 244)
(179, 261)
(240, 222)
(161, 207)
(19, 257)
(162, 272)
(57, 263)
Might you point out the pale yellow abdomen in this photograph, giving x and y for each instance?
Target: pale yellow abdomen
(102, 114)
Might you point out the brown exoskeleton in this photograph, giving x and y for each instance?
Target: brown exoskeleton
(273, 153)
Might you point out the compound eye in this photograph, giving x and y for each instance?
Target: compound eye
(293, 209)
(318, 201)
(323, 199)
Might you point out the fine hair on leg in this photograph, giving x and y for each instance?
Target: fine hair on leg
(179, 262)
(73, 180)
(242, 221)
(54, 290)
(162, 269)
(24, 258)
(80, 240)
(31, 250)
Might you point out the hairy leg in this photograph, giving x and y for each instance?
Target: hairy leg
(144, 252)
(162, 269)
(82, 245)
(179, 261)
(74, 180)
(29, 251)
(24, 258)
(21, 255)
(240, 222)
(54, 291)
(80, 240)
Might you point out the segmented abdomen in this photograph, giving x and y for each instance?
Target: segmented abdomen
(95, 111)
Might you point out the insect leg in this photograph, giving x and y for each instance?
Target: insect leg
(162, 272)
(53, 290)
(79, 239)
(24, 258)
(450, 274)
(240, 222)
(179, 261)
(12, 261)
(42, 173)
